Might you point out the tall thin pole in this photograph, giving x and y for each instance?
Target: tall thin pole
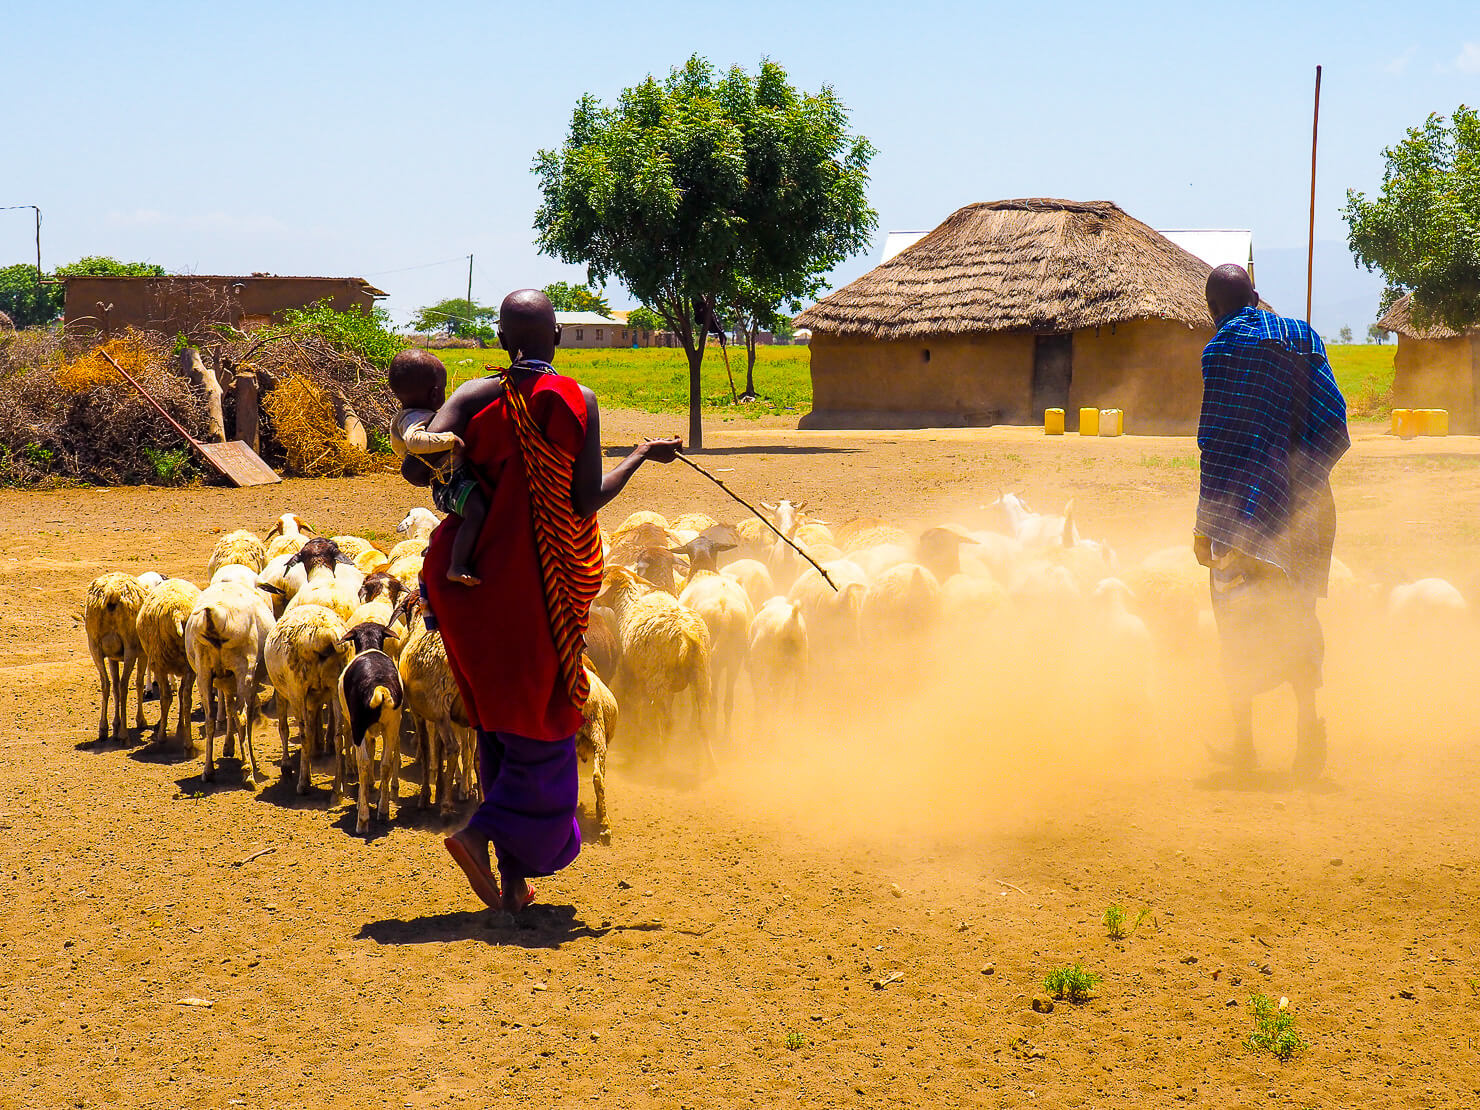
(470, 286)
(1310, 258)
(38, 244)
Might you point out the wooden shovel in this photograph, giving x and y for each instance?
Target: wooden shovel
(234, 461)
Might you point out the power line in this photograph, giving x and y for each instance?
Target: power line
(405, 269)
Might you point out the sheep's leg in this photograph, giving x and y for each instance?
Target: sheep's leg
(182, 722)
(364, 757)
(282, 720)
(115, 678)
(702, 694)
(249, 763)
(309, 740)
(166, 684)
(338, 746)
(104, 683)
(390, 762)
(426, 739)
(135, 663)
(209, 772)
(598, 778)
(447, 749)
(228, 745)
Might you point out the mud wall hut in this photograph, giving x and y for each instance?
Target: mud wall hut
(1435, 367)
(1011, 307)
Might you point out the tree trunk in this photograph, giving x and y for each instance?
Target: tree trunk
(750, 334)
(349, 420)
(695, 352)
(204, 380)
(246, 408)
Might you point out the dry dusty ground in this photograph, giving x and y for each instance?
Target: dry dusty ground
(956, 820)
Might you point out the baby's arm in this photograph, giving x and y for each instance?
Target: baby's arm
(420, 441)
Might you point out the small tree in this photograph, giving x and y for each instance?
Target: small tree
(1376, 334)
(688, 183)
(1423, 230)
(457, 316)
(576, 298)
(1346, 334)
(29, 303)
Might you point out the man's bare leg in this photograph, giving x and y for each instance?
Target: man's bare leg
(469, 849)
(1241, 755)
(1310, 732)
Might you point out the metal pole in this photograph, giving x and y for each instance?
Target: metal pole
(38, 244)
(470, 288)
(1310, 258)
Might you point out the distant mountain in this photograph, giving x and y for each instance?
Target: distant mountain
(1344, 295)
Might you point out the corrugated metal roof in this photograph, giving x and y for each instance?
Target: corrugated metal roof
(580, 319)
(220, 277)
(1215, 246)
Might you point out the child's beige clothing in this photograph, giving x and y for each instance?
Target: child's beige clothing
(409, 436)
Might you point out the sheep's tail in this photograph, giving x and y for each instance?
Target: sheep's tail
(380, 696)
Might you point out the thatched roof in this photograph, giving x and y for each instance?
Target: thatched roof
(1399, 318)
(1021, 265)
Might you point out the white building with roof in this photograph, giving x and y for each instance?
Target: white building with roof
(592, 329)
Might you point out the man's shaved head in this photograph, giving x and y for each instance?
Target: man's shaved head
(1230, 289)
(526, 325)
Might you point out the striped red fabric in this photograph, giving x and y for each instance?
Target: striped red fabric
(569, 545)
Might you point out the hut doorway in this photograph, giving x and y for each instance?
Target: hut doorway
(1053, 367)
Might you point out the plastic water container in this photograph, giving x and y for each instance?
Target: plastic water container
(1089, 422)
(1112, 422)
(1053, 422)
(1405, 426)
(1435, 422)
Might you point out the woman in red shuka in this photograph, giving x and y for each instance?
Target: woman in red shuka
(533, 440)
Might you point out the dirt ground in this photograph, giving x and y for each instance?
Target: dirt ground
(856, 910)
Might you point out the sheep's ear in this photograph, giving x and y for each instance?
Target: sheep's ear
(268, 587)
(768, 506)
(277, 530)
(304, 526)
(347, 638)
(342, 559)
(800, 505)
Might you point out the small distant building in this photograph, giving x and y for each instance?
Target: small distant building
(1012, 307)
(1435, 367)
(186, 302)
(592, 329)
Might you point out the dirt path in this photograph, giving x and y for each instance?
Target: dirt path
(856, 911)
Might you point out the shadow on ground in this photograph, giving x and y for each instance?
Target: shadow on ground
(539, 926)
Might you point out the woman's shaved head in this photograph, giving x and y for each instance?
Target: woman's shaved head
(526, 325)
(1230, 289)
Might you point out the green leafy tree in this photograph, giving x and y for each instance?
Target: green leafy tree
(1345, 334)
(1423, 229)
(1376, 334)
(644, 319)
(576, 298)
(690, 188)
(356, 332)
(458, 316)
(30, 303)
(27, 302)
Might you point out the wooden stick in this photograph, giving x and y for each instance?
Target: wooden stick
(255, 855)
(1310, 258)
(762, 518)
(1009, 886)
(190, 439)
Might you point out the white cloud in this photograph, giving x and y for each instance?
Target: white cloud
(1469, 58)
(1400, 63)
(139, 217)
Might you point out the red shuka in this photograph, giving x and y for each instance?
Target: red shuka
(498, 634)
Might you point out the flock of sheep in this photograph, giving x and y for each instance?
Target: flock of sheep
(335, 627)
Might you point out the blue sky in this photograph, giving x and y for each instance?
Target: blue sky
(371, 138)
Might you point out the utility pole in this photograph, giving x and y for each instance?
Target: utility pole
(470, 290)
(1310, 258)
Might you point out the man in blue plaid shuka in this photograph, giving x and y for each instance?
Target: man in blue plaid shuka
(1273, 425)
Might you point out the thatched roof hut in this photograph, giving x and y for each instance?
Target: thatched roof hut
(1010, 307)
(1435, 367)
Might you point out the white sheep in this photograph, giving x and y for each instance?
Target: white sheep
(446, 741)
(161, 624)
(110, 615)
(371, 700)
(778, 654)
(665, 650)
(832, 614)
(598, 730)
(417, 524)
(305, 653)
(754, 579)
(727, 613)
(331, 582)
(241, 548)
(287, 535)
(224, 637)
(1428, 601)
(903, 601)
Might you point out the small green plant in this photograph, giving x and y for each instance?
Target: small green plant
(1072, 983)
(171, 466)
(378, 442)
(1114, 921)
(795, 1040)
(37, 455)
(1274, 1028)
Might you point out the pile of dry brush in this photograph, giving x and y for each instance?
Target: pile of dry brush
(67, 416)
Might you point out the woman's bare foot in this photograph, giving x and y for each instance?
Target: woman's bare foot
(463, 575)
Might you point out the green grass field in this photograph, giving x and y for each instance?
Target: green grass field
(656, 379)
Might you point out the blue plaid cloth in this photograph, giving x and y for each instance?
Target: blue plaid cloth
(1273, 425)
